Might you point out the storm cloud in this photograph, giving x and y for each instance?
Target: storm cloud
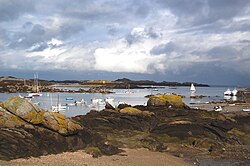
(159, 39)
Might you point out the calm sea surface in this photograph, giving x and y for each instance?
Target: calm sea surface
(132, 97)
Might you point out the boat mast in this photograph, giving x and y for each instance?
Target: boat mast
(37, 88)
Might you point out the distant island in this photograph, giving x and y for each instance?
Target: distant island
(13, 85)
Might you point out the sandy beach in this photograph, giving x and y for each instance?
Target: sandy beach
(226, 107)
(135, 157)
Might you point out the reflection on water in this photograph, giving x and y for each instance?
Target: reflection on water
(233, 98)
(135, 97)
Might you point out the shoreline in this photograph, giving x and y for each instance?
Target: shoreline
(227, 108)
(172, 135)
(138, 157)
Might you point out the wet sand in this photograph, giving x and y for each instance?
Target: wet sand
(134, 157)
(226, 107)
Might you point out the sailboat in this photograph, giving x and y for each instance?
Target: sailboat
(228, 92)
(109, 100)
(58, 107)
(35, 94)
(192, 88)
(128, 91)
(234, 92)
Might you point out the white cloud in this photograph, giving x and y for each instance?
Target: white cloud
(120, 57)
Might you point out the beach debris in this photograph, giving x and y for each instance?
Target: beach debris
(218, 108)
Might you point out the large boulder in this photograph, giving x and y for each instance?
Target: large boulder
(59, 123)
(27, 111)
(9, 120)
(24, 109)
(166, 100)
(135, 111)
(48, 132)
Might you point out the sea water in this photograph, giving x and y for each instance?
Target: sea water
(131, 96)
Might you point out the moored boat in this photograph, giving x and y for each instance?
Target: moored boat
(245, 110)
(37, 93)
(58, 108)
(97, 101)
(109, 100)
(234, 92)
(192, 88)
(69, 98)
(228, 92)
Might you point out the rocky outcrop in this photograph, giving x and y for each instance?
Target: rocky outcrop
(26, 130)
(24, 109)
(166, 100)
(200, 129)
(135, 111)
(9, 120)
(28, 112)
(59, 123)
(163, 122)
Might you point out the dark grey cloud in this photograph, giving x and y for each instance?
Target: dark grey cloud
(28, 36)
(39, 47)
(197, 12)
(70, 29)
(4, 37)
(152, 33)
(12, 9)
(223, 52)
(112, 30)
(139, 36)
(245, 41)
(164, 48)
(139, 8)
(131, 39)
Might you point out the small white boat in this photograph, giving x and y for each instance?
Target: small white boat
(234, 92)
(192, 88)
(82, 101)
(25, 97)
(97, 101)
(109, 100)
(228, 92)
(121, 102)
(218, 108)
(34, 95)
(69, 98)
(58, 108)
(245, 110)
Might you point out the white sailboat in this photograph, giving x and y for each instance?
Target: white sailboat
(109, 100)
(192, 88)
(97, 101)
(35, 94)
(234, 92)
(58, 107)
(228, 92)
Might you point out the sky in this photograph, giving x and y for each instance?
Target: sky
(205, 41)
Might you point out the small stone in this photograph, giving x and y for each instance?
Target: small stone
(181, 155)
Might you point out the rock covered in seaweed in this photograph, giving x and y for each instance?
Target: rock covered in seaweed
(60, 123)
(135, 111)
(167, 100)
(24, 109)
(7, 119)
(48, 132)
